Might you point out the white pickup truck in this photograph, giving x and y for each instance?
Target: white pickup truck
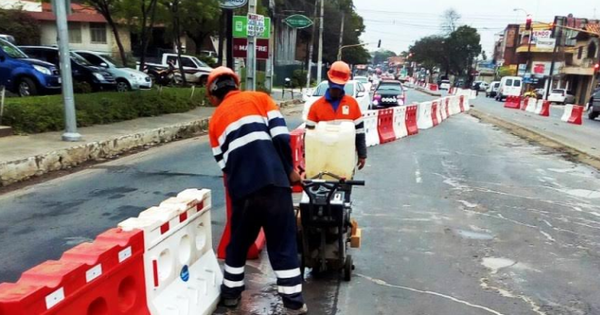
(195, 70)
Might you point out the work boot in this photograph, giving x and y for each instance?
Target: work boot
(230, 302)
(301, 311)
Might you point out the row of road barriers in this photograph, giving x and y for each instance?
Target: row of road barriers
(160, 263)
(572, 114)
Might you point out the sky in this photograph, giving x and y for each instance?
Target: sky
(399, 23)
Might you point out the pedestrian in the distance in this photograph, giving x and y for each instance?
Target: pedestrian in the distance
(251, 143)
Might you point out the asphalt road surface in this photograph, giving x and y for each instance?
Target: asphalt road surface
(461, 219)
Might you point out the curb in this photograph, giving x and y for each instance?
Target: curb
(539, 138)
(15, 171)
(19, 170)
(427, 92)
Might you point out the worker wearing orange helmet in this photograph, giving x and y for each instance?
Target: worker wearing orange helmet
(336, 106)
(251, 143)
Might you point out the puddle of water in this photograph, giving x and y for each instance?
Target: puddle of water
(495, 264)
(474, 235)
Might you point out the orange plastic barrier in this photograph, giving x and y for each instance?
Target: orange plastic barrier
(411, 120)
(105, 277)
(434, 113)
(297, 144)
(545, 109)
(385, 125)
(255, 248)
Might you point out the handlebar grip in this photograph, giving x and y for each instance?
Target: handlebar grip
(355, 182)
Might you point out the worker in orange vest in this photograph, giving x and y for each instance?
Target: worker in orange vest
(335, 105)
(251, 143)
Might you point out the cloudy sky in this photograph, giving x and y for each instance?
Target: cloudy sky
(399, 23)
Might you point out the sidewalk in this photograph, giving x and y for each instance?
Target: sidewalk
(23, 157)
(582, 138)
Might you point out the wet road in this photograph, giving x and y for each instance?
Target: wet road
(461, 219)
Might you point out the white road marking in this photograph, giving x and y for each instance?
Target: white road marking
(548, 236)
(448, 297)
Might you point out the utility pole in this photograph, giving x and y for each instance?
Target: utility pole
(311, 48)
(269, 70)
(60, 10)
(557, 38)
(229, 21)
(341, 35)
(320, 54)
(221, 36)
(251, 58)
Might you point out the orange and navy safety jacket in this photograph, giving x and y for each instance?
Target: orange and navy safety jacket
(344, 109)
(251, 143)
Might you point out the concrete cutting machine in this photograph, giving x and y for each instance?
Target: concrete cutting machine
(325, 227)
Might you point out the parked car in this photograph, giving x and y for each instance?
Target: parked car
(24, 76)
(389, 93)
(445, 85)
(127, 79)
(8, 38)
(509, 86)
(594, 105)
(492, 89)
(83, 72)
(561, 96)
(195, 70)
(483, 86)
(365, 82)
(353, 88)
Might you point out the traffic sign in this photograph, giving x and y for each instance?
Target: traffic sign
(232, 4)
(256, 24)
(298, 21)
(240, 27)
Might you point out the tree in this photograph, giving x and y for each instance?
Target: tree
(173, 6)
(463, 46)
(382, 56)
(108, 8)
(22, 26)
(141, 13)
(200, 19)
(450, 19)
(430, 52)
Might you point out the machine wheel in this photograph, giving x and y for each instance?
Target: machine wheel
(348, 267)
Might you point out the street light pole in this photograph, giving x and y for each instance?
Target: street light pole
(320, 54)
(70, 133)
(251, 51)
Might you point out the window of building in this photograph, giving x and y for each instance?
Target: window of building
(592, 50)
(75, 33)
(98, 33)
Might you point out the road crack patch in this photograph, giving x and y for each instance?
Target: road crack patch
(433, 293)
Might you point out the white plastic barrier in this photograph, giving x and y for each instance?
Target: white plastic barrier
(568, 112)
(183, 276)
(466, 104)
(370, 120)
(538, 106)
(424, 118)
(531, 104)
(454, 105)
(400, 122)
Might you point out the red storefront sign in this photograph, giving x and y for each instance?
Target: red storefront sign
(240, 48)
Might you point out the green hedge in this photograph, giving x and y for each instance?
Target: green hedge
(45, 113)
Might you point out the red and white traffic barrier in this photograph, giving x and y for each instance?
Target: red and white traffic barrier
(435, 113)
(181, 270)
(103, 277)
(573, 114)
(531, 104)
(411, 119)
(545, 108)
(385, 125)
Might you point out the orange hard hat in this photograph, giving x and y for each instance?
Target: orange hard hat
(217, 73)
(339, 73)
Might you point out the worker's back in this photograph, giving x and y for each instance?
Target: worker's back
(242, 133)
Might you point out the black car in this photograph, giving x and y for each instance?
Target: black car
(594, 105)
(83, 71)
(389, 93)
